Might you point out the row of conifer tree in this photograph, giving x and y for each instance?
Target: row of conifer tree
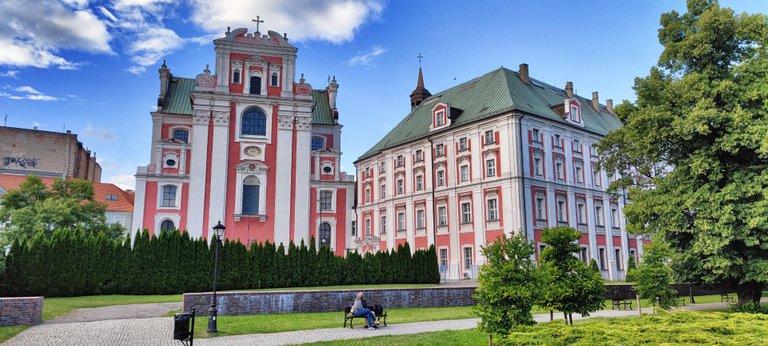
(74, 263)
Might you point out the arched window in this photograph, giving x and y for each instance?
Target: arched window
(254, 123)
(167, 226)
(318, 143)
(181, 135)
(251, 186)
(255, 88)
(325, 234)
(169, 196)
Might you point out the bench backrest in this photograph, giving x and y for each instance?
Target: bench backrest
(347, 309)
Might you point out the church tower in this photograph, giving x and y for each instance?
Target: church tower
(420, 93)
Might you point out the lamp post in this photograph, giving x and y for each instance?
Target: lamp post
(218, 232)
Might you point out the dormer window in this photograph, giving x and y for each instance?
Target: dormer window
(439, 118)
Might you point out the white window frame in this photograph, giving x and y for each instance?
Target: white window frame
(490, 167)
(333, 199)
(383, 191)
(581, 211)
(601, 258)
(442, 215)
(261, 173)
(177, 203)
(419, 155)
(599, 215)
(492, 205)
(401, 221)
(466, 211)
(490, 137)
(538, 165)
(468, 258)
(400, 186)
(420, 224)
(419, 182)
(440, 174)
(383, 224)
(464, 173)
(463, 144)
(439, 150)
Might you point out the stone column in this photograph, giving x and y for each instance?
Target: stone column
(219, 163)
(302, 204)
(198, 162)
(283, 205)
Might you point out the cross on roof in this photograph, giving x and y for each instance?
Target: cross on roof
(257, 21)
(420, 57)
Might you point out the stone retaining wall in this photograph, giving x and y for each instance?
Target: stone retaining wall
(21, 311)
(247, 303)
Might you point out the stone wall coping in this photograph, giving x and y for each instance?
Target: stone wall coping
(329, 290)
(21, 298)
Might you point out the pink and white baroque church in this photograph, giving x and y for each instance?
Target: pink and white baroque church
(250, 146)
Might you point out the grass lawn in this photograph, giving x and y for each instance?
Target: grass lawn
(250, 324)
(53, 307)
(680, 327)
(8, 332)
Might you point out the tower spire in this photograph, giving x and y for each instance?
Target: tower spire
(420, 93)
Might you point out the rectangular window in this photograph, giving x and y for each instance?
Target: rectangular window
(490, 167)
(562, 212)
(419, 182)
(443, 259)
(583, 254)
(325, 200)
(493, 210)
(439, 119)
(598, 214)
(420, 218)
(593, 150)
(464, 169)
(576, 146)
(540, 212)
(442, 216)
(439, 150)
(490, 138)
(110, 197)
(401, 221)
(468, 258)
(578, 174)
(400, 161)
(559, 170)
(466, 212)
(462, 143)
(354, 228)
(581, 212)
(382, 167)
(617, 257)
(255, 88)
(595, 176)
(367, 226)
(633, 254)
(400, 188)
(535, 135)
(538, 168)
(383, 225)
(601, 258)
(419, 155)
(557, 142)
(614, 217)
(440, 178)
(169, 196)
(383, 191)
(367, 195)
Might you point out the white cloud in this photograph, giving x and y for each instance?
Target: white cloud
(26, 92)
(98, 133)
(330, 20)
(365, 58)
(124, 181)
(33, 32)
(10, 74)
(151, 45)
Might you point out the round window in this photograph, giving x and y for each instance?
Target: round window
(327, 170)
(170, 162)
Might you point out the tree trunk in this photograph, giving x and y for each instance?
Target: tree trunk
(570, 318)
(551, 315)
(749, 293)
(565, 315)
(490, 339)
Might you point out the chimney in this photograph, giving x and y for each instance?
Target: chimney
(165, 79)
(595, 103)
(524, 74)
(569, 89)
(609, 105)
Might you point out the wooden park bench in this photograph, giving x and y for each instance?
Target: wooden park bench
(621, 304)
(349, 316)
(726, 298)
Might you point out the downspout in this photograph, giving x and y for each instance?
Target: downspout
(522, 175)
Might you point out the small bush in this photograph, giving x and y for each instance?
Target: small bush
(750, 308)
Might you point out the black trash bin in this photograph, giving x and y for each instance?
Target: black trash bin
(184, 326)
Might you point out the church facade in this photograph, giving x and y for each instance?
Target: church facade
(501, 153)
(248, 145)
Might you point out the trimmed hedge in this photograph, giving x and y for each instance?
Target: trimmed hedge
(71, 263)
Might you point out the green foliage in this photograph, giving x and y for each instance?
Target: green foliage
(697, 142)
(68, 204)
(73, 262)
(510, 284)
(680, 327)
(631, 266)
(750, 308)
(654, 276)
(571, 286)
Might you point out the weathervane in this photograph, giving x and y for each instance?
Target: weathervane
(257, 21)
(420, 57)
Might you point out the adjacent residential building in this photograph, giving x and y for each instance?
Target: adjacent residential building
(501, 153)
(46, 154)
(119, 202)
(249, 145)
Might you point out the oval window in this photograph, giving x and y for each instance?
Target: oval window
(170, 162)
(327, 170)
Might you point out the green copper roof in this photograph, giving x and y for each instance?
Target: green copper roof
(177, 100)
(322, 114)
(496, 92)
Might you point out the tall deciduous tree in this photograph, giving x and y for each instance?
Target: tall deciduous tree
(34, 208)
(510, 284)
(571, 285)
(697, 143)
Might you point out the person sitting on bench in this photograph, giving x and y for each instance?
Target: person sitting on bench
(359, 310)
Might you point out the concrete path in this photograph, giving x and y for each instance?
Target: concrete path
(117, 312)
(158, 331)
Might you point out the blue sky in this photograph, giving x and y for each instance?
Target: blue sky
(91, 66)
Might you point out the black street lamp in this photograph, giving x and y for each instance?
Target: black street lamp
(218, 232)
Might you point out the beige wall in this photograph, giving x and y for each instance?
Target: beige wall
(45, 153)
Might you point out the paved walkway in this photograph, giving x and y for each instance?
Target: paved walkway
(116, 312)
(158, 331)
